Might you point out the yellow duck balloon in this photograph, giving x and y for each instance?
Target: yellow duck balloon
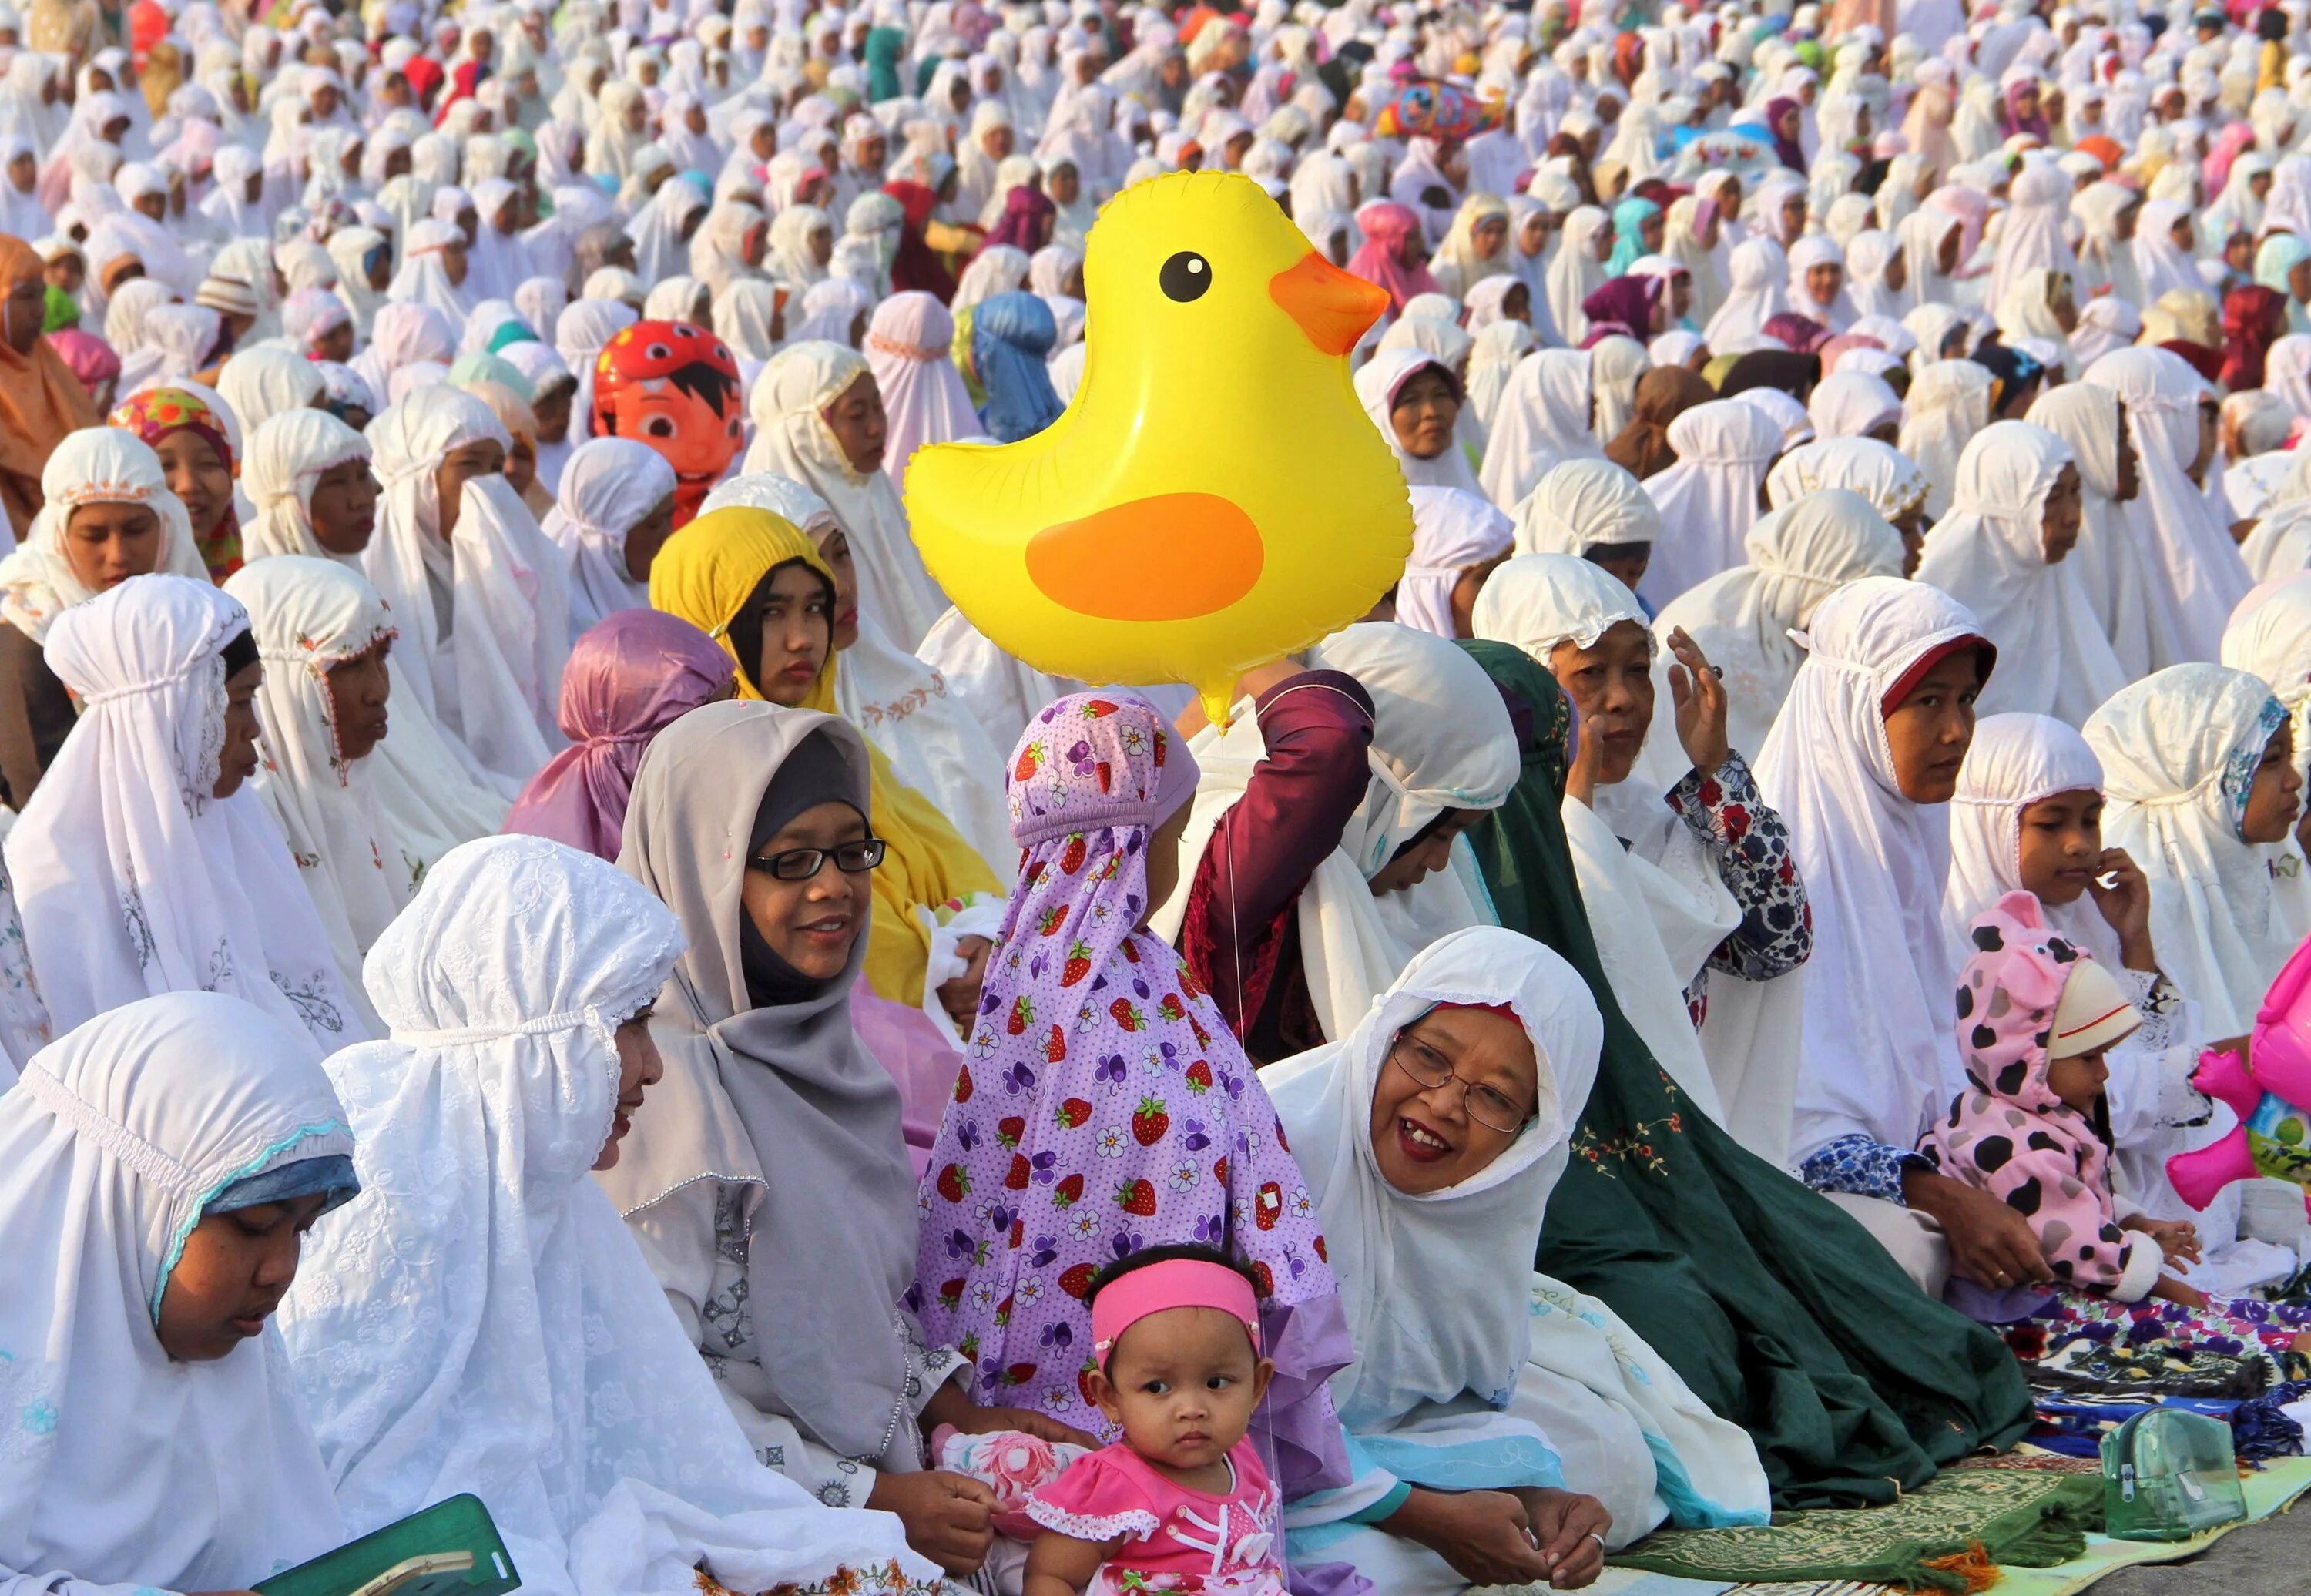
(1214, 497)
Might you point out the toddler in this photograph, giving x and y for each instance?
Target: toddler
(2034, 1017)
(1181, 1503)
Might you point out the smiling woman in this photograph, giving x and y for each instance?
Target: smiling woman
(758, 586)
(1433, 1136)
(109, 516)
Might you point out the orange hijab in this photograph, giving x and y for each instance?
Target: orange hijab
(41, 400)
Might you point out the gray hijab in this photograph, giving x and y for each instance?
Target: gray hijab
(782, 1097)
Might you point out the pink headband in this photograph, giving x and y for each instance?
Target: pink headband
(1175, 1283)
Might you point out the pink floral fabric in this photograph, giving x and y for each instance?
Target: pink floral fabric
(1102, 1107)
(2012, 1136)
(1179, 1540)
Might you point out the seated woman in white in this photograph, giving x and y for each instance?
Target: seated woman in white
(1741, 619)
(1432, 1137)
(479, 1319)
(157, 1168)
(1726, 916)
(145, 864)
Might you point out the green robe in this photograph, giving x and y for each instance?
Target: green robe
(1781, 1311)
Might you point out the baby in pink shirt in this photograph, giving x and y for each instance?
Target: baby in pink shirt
(1181, 1503)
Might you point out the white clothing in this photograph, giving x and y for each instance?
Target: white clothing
(133, 878)
(125, 1467)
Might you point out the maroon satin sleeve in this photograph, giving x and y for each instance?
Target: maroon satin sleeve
(1317, 728)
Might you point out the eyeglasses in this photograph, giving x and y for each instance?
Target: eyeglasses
(800, 864)
(1487, 1107)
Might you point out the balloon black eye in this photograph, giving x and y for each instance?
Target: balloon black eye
(1185, 276)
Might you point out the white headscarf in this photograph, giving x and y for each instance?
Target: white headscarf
(1808, 252)
(1452, 529)
(2179, 750)
(1438, 743)
(2032, 235)
(1435, 1285)
(1743, 618)
(1583, 504)
(423, 279)
(124, 1467)
(1615, 366)
(1709, 498)
(2112, 569)
(1378, 383)
(486, 610)
(1878, 1058)
(310, 616)
(1574, 272)
(432, 791)
(1886, 477)
(1947, 405)
(480, 1319)
(134, 880)
(94, 466)
(1852, 404)
(2015, 761)
(909, 344)
(1759, 292)
(610, 484)
(792, 439)
(2200, 573)
(1543, 420)
(1989, 554)
(1538, 602)
(1867, 259)
(1492, 359)
(2163, 265)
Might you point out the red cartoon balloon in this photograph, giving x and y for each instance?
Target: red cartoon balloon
(674, 387)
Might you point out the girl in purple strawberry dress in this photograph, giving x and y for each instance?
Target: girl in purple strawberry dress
(1103, 1107)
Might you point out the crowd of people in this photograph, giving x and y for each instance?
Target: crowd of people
(540, 956)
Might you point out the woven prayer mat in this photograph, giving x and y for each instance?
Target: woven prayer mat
(2021, 1518)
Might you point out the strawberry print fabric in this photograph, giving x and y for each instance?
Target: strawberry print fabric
(1103, 1106)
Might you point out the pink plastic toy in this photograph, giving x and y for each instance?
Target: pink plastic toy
(2273, 1135)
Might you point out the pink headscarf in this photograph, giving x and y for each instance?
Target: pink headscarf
(1973, 211)
(2230, 144)
(1386, 226)
(629, 678)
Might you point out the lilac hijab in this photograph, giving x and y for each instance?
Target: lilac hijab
(1103, 1106)
(629, 678)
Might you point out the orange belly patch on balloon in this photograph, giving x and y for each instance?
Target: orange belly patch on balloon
(1168, 557)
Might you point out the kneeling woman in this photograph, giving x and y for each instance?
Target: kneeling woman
(1433, 1136)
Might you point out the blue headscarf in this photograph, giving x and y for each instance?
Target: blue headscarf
(2280, 255)
(1011, 334)
(1628, 216)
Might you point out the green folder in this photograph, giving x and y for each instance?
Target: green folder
(451, 1549)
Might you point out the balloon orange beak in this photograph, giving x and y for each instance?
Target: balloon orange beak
(1332, 307)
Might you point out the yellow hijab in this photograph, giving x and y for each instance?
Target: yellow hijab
(705, 574)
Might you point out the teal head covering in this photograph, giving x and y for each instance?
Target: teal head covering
(2281, 254)
(1628, 216)
(884, 46)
